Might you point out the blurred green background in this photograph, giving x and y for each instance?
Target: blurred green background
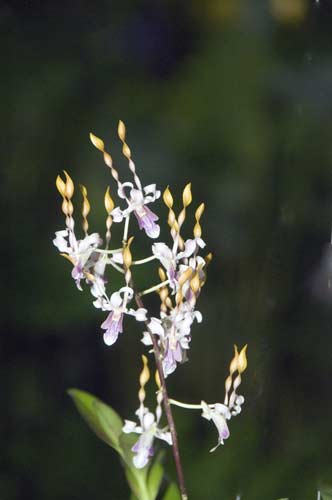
(236, 97)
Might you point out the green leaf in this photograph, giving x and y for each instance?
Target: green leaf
(102, 419)
(326, 492)
(172, 493)
(155, 477)
(136, 483)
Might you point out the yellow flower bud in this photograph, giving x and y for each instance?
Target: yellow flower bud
(126, 151)
(98, 143)
(198, 215)
(186, 196)
(69, 190)
(242, 360)
(127, 257)
(234, 363)
(145, 373)
(168, 198)
(162, 274)
(185, 276)
(122, 130)
(108, 201)
(199, 211)
(194, 283)
(60, 185)
(86, 204)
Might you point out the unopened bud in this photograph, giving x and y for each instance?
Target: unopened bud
(61, 186)
(126, 151)
(168, 198)
(208, 258)
(186, 196)
(98, 143)
(199, 211)
(242, 360)
(86, 204)
(234, 363)
(122, 130)
(195, 283)
(69, 189)
(70, 208)
(108, 201)
(162, 274)
(185, 276)
(127, 257)
(145, 373)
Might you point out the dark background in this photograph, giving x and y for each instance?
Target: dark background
(235, 96)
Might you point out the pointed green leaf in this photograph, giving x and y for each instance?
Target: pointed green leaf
(172, 493)
(133, 481)
(155, 477)
(102, 419)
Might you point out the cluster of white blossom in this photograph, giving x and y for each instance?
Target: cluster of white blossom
(182, 274)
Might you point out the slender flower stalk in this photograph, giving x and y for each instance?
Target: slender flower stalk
(167, 408)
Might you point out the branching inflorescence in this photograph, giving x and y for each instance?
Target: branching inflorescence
(182, 274)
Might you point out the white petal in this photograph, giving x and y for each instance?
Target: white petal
(155, 327)
(146, 339)
(136, 197)
(110, 338)
(189, 248)
(140, 314)
(116, 300)
(121, 190)
(141, 459)
(131, 426)
(165, 436)
(117, 214)
(198, 316)
(118, 257)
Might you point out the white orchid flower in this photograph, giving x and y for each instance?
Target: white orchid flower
(173, 330)
(117, 305)
(80, 252)
(219, 414)
(148, 428)
(137, 200)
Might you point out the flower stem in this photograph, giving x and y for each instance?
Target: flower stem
(167, 405)
(154, 288)
(188, 406)
(143, 261)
